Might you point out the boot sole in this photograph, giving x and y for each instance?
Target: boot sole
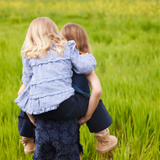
(29, 151)
(106, 150)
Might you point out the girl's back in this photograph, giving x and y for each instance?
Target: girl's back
(48, 78)
(80, 84)
(51, 75)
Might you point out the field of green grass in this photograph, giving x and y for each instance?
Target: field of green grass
(125, 38)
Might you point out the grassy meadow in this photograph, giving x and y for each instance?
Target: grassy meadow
(125, 39)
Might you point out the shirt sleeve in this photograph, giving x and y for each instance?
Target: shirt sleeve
(81, 64)
(27, 72)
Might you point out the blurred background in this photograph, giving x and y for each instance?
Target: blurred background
(125, 39)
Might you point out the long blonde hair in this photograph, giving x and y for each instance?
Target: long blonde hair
(41, 36)
(72, 31)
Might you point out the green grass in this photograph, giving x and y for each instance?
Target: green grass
(125, 39)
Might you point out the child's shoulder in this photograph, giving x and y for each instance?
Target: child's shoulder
(71, 44)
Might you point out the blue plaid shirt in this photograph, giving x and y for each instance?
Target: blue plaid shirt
(49, 78)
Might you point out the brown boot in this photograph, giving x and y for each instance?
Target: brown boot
(29, 145)
(105, 142)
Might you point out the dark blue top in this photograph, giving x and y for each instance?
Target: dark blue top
(80, 84)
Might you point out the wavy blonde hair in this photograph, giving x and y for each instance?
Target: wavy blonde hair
(72, 31)
(41, 36)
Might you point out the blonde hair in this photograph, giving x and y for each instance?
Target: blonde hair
(72, 31)
(42, 34)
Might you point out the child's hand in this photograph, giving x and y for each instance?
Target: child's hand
(83, 120)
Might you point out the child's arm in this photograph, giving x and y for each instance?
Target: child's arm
(23, 87)
(27, 74)
(27, 71)
(82, 64)
(31, 118)
(94, 98)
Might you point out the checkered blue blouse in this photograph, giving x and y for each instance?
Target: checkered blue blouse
(49, 78)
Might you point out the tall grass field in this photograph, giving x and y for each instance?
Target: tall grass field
(125, 39)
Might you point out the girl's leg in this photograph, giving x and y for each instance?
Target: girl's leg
(44, 149)
(25, 127)
(76, 106)
(67, 144)
(100, 119)
(99, 123)
(26, 130)
(63, 112)
(68, 152)
(105, 141)
(57, 139)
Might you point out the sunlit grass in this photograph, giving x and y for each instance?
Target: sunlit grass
(125, 40)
